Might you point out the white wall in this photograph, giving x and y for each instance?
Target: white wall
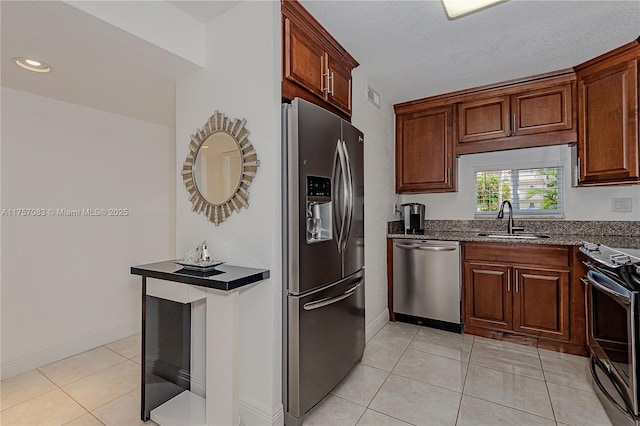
(66, 285)
(242, 80)
(378, 128)
(581, 203)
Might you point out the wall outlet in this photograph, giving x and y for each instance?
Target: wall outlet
(621, 205)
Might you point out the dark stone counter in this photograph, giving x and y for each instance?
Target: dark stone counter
(560, 232)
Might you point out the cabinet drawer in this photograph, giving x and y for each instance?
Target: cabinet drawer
(522, 254)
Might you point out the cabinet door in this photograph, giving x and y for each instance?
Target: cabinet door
(338, 85)
(304, 59)
(483, 119)
(542, 110)
(608, 115)
(541, 303)
(487, 296)
(424, 151)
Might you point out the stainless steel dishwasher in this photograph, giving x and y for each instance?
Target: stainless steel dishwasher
(426, 283)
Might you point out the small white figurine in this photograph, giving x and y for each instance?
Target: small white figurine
(199, 255)
(202, 253)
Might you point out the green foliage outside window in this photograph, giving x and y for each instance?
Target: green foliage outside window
(549, 194)
(488, 193)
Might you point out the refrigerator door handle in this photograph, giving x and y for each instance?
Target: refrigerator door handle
(343, 205)
(349, 197)
(337, 218)
(331, 300)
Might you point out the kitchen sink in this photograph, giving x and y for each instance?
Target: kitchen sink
(514, 236)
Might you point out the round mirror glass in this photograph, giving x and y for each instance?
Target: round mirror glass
(218, 167)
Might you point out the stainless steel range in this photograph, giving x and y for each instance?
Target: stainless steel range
(613, 301)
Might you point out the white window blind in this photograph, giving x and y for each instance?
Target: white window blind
(532, 191)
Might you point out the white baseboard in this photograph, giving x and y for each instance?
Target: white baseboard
(253, 413)
(376, 325)
(47, 356)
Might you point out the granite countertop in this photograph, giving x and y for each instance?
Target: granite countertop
(568, 233)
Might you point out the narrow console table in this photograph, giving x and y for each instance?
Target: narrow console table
(166, 395)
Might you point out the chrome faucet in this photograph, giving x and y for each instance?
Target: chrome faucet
(510, 228)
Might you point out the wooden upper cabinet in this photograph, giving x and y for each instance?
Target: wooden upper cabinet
(424, 150)
(508, 116)
(483, 119)
(338, 84)
(608, 141)
(304, 59)
(542, 110)
(315, 67)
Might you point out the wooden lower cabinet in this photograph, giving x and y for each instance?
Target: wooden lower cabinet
(524, 293)
(487, 297)
(541, 302)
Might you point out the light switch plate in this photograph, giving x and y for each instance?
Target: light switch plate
(621, 205)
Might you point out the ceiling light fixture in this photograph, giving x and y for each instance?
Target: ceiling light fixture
(458, 8)
(32, 65)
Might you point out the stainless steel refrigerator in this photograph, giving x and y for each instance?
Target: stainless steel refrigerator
(323, 254)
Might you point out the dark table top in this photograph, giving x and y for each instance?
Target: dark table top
(222, 277)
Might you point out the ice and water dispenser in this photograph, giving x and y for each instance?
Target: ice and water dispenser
(319, 209)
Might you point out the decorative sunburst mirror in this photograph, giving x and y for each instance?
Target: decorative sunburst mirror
(220, 167)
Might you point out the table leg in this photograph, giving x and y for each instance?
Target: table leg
(222, 359)
(144, 416)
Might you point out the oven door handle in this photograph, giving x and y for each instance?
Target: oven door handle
(596, 379)
(606, 284)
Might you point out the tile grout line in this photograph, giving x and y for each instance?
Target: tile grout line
(36, 396)
(464, 383)
(61, 387)
(387, 378)
(514, 374)
(108, 402)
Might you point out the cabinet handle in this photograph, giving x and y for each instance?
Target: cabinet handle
(326, 86)
(579, 170)
(516, 282)
(509, 282)
(332, 83)
(514, 128)
(329, 82)
(506, 124)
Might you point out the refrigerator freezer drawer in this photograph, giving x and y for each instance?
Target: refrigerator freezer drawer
(325, 340)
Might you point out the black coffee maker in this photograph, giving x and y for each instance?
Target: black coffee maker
(413, 217)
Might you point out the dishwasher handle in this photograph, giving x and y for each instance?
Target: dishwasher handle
(428, 248)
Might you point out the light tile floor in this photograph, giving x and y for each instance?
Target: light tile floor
(97, 387)
(408, 375)
(422, 376)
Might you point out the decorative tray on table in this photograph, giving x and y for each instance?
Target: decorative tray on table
(203, 265)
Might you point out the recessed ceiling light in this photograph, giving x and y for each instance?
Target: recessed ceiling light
(458, 8)
(32, 65)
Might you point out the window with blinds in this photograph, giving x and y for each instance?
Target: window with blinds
(532, 192)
